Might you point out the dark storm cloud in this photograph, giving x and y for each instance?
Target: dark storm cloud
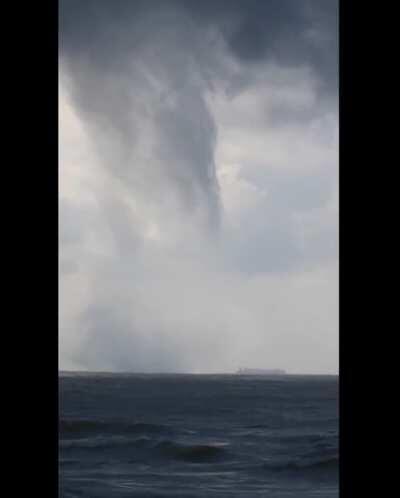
(114, 51)
(291, 32)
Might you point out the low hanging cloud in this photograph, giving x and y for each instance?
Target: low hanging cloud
(198, 185)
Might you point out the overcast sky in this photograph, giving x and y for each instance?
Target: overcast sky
(198, 195)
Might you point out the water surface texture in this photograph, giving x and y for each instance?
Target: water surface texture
(124, 435)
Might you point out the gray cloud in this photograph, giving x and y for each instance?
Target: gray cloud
(156, 59)
(291, 31)
(163, 264)
(129, 70)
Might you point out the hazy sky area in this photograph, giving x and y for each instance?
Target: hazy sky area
(198, 191)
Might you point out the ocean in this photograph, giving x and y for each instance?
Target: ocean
(131, 435)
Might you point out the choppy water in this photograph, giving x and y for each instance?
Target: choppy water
(198, 436)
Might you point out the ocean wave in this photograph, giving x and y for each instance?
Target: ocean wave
(154, 448)
(105, 442)
(81, 427)
(192, 453)
(305, 465)
(311, 440)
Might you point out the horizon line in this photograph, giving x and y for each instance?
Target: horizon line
(130, 372)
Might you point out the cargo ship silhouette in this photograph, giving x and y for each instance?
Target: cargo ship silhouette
(261, 371)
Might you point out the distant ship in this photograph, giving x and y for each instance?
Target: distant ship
(261, 371)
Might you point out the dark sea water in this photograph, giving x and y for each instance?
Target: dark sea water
(198, 436)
